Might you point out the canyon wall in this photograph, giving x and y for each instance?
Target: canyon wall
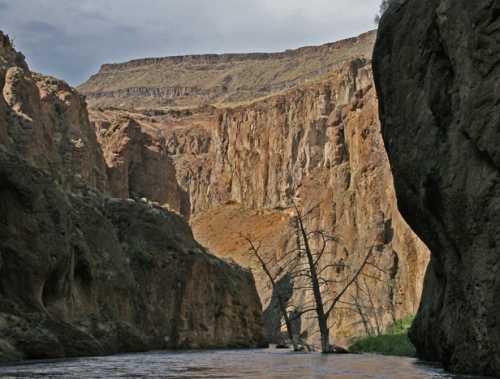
(320, 146)
(437, 73)
(82, 273)
(241, 167)
(138, 164)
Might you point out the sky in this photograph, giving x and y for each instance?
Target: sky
(70, 39)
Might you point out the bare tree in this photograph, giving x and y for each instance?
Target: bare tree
(313, 271)
(306, 267)
(363, 304)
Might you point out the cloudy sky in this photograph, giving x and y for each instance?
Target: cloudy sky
(70, 39)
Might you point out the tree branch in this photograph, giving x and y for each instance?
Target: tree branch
(344, 290)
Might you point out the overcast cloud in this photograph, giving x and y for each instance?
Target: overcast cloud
(70, 39)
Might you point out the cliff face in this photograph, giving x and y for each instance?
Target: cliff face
(210, 79)
(437, 74)
(321, 146)
(81, 273)
(46, 121)
(138, 164)
(317, 144)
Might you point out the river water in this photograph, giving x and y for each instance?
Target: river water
(252, 364)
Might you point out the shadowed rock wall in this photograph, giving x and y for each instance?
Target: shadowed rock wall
(437, 72)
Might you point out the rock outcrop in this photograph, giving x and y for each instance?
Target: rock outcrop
(138, 163)
(437, 72)
(83, 273)
(46, 122)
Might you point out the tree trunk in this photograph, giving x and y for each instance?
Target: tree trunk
(318, 299)
(325, 336)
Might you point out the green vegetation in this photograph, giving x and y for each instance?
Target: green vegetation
(394, 342)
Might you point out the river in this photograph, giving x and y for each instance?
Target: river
(251, 364)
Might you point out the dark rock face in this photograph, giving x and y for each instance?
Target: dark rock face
(85, 274)
(81, 274)
(437, 71)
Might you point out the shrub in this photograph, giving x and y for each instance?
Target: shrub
(394, 342)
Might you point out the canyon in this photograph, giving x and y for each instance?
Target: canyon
(85, 273)
(127, 204)
(235, 164)
(437, 74)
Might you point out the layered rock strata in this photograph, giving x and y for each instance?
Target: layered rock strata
(209, 79)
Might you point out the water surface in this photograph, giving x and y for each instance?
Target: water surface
(251, 364)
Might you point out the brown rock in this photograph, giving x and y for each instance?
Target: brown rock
(137, 163)
(240, 162)
(319, 144)
(46, 121)
(311, 144)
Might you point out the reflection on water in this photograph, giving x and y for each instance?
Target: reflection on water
(258, 364)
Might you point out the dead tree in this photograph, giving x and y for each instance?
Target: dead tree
(363, 295)
(254, 250)
(305, 266)
(312, 270)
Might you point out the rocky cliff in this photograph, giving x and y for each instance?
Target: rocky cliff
(137, 162)
(318, 144)
(46, 122)
(82, 273)
(437, 73)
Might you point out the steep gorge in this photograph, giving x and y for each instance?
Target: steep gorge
(240, 166)
(320, 146)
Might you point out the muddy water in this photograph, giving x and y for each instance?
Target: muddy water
(251, 364)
